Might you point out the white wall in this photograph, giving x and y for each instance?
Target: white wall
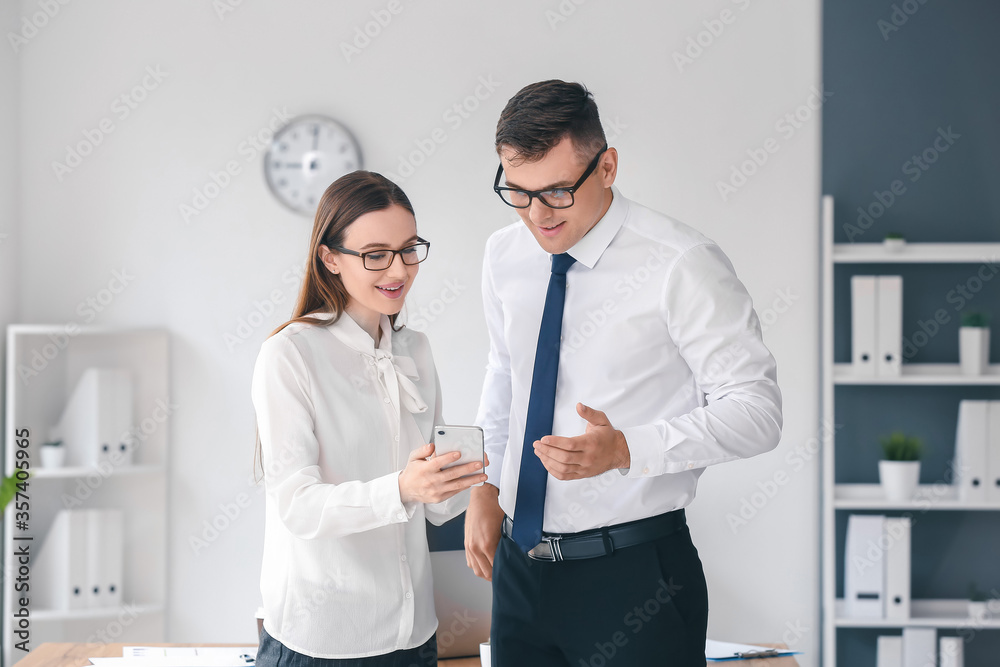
(680, 132)
(9, 97)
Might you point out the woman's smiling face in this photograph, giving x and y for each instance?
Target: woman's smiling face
(374, 293)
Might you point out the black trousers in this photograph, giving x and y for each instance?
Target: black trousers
(642, 605)
(272, 653)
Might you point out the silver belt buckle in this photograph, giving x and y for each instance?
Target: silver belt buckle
(548, 549)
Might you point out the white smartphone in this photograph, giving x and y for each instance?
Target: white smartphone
(465, 439)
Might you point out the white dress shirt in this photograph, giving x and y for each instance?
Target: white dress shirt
(346, 569)
(658, 333)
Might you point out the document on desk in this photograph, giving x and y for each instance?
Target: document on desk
(172, 651)
(181, 656)
(720, 651)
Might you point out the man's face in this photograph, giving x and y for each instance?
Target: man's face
(558, 230)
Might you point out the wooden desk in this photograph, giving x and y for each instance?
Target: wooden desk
(68, 654)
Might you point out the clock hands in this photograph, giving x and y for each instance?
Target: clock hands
(305, 155)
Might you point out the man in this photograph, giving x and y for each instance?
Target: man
(625, 358)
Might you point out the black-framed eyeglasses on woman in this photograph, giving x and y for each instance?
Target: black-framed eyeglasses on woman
(380, 260)
(553, 198)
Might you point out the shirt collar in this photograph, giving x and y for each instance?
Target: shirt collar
(353, 336)
(590, 248)
(395, 373)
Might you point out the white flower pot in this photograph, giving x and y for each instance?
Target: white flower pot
(899, 479)
(894, 245)
(974, 349)
(977, 611)
(53, 457)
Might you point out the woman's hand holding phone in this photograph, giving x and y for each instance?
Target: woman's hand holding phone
(424, 481)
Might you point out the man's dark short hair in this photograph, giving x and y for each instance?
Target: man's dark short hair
(541, 114)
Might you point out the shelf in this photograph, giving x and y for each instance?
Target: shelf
(929, 497)
(940, 253)
(83, 471)
(919, 261)
(98, 613)
(923, 614)
(926, 374)
(138, 488)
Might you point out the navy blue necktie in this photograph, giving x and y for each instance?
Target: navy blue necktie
(533, 476)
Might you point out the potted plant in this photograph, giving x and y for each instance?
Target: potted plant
(974, 343)
(977, 603)
(899, 469)
(8, 489)
(53, 454)
(894, 242)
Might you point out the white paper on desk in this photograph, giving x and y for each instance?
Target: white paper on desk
(172, 651)
(727, 651)
(181, 656)
(172, 661)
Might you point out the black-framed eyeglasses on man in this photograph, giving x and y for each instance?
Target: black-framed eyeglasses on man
(553, 197)
(382, 259)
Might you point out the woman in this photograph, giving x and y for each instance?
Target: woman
(345, 403)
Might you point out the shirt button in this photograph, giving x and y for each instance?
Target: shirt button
(403, 558)
(400, 516)
(690, 465)
(396, 438)
(409, 595)
(386, 399)
(645, 471)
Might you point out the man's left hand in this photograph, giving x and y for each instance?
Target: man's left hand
(599, 449)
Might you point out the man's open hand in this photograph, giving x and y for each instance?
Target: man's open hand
(599, 449)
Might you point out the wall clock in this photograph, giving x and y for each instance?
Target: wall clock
(305, 157)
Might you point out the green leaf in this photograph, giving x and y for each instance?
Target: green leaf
(8, 489)
(900, 447)
(975, 319)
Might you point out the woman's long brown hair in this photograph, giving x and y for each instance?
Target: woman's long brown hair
(346, 200)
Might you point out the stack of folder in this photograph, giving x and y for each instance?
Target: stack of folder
(877, 325)
(877, 567)
(916, 648)
(79, 565)
(96, 424)
(977, 452)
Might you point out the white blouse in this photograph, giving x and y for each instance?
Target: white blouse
(346, 569)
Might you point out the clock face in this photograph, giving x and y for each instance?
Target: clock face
(305, 157)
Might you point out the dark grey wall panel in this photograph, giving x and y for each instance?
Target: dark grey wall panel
(892, 92)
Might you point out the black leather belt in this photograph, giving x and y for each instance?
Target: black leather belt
(602, 541)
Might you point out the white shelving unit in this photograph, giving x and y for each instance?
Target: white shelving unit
(923, 614)
(43, 365)
(928, 497)
(921, 374)
(840, 497)
(915, 253)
